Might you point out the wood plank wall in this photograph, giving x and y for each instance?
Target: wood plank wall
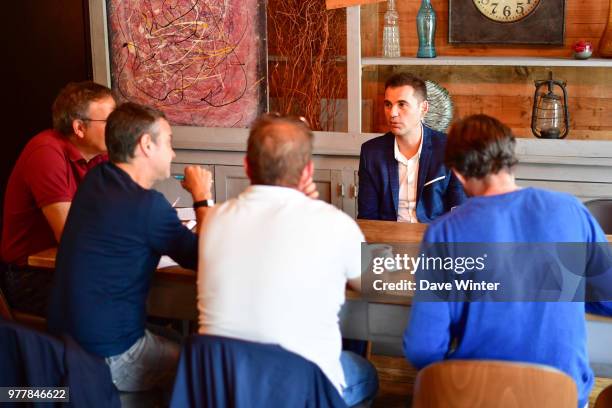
(504, 92)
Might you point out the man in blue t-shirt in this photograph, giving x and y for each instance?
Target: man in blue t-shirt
(117, 230)
(480, 151)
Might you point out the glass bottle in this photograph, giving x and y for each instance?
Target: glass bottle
(426, 29)
(391, 36)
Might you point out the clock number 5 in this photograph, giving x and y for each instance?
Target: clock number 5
(519, 8)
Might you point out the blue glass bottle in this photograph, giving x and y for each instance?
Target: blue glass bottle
(426, 29)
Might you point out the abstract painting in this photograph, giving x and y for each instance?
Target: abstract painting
(203, 63)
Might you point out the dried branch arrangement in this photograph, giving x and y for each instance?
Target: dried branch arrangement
(307, 44)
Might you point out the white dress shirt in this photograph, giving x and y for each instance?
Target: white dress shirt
(408, 170)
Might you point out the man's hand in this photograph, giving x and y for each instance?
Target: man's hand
(309, 188)
(198, 181)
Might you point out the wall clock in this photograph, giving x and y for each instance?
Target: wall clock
(506, 22)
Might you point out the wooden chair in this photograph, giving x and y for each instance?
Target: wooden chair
(500, 384)
(602, 211)
(604, 399)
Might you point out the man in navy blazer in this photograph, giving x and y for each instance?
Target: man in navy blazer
(402, 176)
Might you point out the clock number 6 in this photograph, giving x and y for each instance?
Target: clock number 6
(507, 11)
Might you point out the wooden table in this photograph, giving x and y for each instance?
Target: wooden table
(173, 291)
(167, 279)
(374, 231)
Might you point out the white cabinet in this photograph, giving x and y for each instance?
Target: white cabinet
(232, 180)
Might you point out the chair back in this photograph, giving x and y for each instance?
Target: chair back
(30, 358)
(218, 371)
(602, 211)
(604, 399)
(500, 384)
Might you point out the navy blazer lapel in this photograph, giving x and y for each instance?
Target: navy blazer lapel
(392, 169)
(424, 162)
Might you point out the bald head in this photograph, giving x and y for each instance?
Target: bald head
(278, 151)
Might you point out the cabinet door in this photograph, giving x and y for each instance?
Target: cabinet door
(232, 180)
(350, 179)
(171, 188)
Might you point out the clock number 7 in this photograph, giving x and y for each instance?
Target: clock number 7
(494, 8)
(519, 8)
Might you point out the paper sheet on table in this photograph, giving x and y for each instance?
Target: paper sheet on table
(185, 213)
(165, 261)
(191, 224)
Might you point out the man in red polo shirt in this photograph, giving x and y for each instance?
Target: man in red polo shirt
(43, 182)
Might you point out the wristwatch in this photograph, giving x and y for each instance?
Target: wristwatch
(203, 203)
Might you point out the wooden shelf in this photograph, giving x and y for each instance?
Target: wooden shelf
(491, 61)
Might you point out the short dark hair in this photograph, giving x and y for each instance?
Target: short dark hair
(126, 125)
(480, 145)
(278, 149)
(73, 101)
(405, 79)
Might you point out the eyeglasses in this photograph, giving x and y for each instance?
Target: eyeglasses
(93, 120)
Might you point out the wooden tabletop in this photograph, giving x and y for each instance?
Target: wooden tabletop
(374, 231)
(43, 259)
(392, 232)
(46, 260)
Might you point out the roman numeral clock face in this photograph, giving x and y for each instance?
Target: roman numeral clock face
(506, 11)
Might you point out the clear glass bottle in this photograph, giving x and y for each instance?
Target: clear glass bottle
(391, 35)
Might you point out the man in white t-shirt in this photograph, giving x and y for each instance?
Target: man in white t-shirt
(274, 263)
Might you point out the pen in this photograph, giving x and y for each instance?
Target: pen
(179, 177)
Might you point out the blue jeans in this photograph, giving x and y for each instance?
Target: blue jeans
(148, 363)
(361, 378)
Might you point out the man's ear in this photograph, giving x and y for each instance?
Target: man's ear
(144, 143)
(461, 179)
(424, 108)
(247, 169)
(78, 128)
(307, 172)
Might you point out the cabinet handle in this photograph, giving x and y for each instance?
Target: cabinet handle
(341, 191)
(354, 190)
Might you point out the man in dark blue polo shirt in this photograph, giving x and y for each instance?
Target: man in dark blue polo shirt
(116, 231)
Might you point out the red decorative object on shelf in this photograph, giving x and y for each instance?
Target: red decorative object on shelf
(583, 49)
